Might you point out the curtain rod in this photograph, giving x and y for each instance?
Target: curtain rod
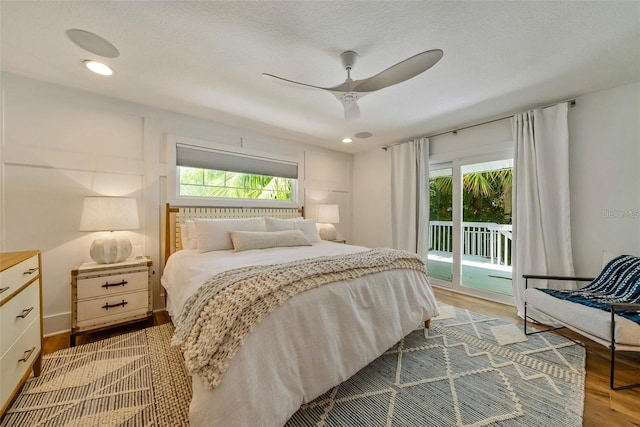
(572, 103)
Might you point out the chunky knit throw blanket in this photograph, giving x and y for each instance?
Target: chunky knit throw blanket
(218, 317)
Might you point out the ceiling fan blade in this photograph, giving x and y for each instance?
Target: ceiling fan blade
(288, 82)
(399, 72)
(351, 111)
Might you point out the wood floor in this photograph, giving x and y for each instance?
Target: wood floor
(602, 407)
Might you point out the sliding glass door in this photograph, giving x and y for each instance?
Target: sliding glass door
(470, 227)
(486, 226)
(439, 263)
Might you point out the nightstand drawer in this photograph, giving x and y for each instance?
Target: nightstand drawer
(14, 277)
(17, 314)
(113, 308)
(17, 360)
(105, 286)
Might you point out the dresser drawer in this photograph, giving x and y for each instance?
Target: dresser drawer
(114, 308)
(17, 314)
(106, 286)
(13, 368)
(16, 276)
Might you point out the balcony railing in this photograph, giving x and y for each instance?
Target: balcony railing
(484, 239)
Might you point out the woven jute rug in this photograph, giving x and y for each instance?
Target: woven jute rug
(136, 379)
(470, 370)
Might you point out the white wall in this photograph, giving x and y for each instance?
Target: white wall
(60, 145)
(604, 176)
(371, 195)
(604, 166)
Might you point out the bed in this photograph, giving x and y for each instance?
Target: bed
(310, 342)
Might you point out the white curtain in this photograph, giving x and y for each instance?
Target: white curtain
(541, 220)
(410, 196)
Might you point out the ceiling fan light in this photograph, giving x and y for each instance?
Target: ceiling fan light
(347, 140)
(98, 67)
(348, 97)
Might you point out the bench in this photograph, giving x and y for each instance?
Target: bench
(611, 328)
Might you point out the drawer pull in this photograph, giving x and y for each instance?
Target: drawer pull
(31, 270)
(108, 285)
(107, 306)
(25, 313)
(27, 355)
(6, 288)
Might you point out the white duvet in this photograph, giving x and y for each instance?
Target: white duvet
(312, 342)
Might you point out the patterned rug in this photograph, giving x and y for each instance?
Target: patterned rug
(471, 370)
(136, 379)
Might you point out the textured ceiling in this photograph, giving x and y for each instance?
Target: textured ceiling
(206, 58)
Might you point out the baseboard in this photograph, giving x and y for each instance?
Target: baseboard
(61, 323)
(56, 324)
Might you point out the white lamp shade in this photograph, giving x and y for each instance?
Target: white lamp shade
(328, 214)
(109, 214)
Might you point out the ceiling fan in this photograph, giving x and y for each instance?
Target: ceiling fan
(349, 92)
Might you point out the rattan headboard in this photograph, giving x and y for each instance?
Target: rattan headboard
(176, 215)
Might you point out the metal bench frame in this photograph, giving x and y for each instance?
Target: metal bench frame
(614, 307)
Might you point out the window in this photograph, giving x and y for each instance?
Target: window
(197, 182)
(217, 175)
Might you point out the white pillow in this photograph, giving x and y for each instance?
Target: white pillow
(188, 235)
(246, 240)
(307, 226)
(213, 234)
(276, 224)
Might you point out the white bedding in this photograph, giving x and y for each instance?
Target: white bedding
(311, 343)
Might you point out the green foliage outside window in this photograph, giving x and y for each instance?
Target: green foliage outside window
(486, 197)
(197, 182)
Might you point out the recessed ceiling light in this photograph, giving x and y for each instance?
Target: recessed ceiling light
(363, 134)
(347, 140)
(98, 67)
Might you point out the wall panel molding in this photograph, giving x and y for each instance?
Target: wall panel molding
(69, 160)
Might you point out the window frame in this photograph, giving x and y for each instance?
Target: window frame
(173, 185)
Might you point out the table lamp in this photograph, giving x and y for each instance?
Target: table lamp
(326, 216)
(110, 214)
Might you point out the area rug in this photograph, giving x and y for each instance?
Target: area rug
(136, 379)
(470, 370)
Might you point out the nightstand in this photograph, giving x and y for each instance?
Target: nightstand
(107, 295)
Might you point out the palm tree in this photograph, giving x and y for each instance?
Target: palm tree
(484, 193)
(216, 183)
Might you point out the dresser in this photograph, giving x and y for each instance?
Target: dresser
(108, 295)
(20, 321)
